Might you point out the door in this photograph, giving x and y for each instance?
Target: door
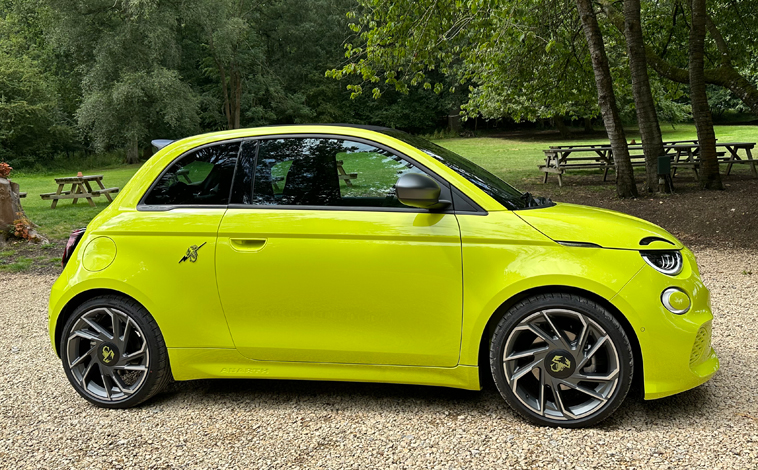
(168, 245)
(319, 262)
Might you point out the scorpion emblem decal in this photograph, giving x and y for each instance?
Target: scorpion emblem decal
(192, 253)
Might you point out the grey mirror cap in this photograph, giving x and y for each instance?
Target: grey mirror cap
(417, 190)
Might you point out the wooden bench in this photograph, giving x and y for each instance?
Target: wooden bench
(343, 175)
(21, 195)
(100, 192)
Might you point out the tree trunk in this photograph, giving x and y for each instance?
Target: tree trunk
(588, 125)
(724, 76)
(710, 178)
(132, 151)
(12, 215)
(10, 204)
(237, 100)
(625, 186)
(561, 126)
(647, 118)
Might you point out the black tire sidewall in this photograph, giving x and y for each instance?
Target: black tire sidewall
(156, 349)
(570, 302)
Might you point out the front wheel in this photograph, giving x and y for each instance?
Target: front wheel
(113, 352)
(561, 360)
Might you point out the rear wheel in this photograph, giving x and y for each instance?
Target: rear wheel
(113, 352)
(561, 360)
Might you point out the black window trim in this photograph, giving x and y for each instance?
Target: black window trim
(141, 206)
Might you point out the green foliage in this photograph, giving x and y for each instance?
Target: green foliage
(31, 120)
(523, 59)
(79, 77)
(127, 52)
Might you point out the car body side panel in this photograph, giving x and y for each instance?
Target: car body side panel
(182, 297)
(504, 256)
(195, 363)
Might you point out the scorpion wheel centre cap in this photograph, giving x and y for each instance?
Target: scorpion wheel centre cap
(560, 364)
(108, 354)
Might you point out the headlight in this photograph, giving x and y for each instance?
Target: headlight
(666, 262)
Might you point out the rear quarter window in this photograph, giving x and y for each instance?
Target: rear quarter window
(200, 177)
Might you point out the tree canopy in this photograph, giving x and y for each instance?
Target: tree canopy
(102, 75)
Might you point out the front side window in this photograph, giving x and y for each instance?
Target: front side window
(493, 186)
(200, 177)
(326, 172)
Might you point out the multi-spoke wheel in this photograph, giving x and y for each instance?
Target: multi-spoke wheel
(561, 360)
(113, 352)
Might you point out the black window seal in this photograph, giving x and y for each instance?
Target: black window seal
(141, 206)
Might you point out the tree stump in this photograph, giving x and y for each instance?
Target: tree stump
(12, 215)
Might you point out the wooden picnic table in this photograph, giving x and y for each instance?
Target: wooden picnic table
(80, 189)
(666, 142)
(682, 153)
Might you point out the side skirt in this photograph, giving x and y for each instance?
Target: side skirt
(206, 363)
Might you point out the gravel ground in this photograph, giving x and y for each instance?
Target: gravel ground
(280, 424)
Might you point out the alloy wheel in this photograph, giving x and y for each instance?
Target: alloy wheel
(561, 364)
(107, 354)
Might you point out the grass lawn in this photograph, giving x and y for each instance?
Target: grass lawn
(57, 223)
(515, 159)
(512, 156)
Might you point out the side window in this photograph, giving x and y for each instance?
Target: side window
(326, 172)
(201, 177)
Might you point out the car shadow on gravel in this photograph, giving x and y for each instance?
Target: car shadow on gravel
(359, 398)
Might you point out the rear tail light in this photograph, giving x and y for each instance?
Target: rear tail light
(73, 240)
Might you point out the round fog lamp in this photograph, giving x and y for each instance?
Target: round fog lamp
(676, 300)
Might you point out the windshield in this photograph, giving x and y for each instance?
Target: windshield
(496, 188)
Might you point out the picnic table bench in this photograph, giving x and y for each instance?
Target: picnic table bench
(683, 154)
(343, 175)
(80, 189)
(667, 142)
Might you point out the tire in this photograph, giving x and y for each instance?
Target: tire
(113, 352)
(561, 360)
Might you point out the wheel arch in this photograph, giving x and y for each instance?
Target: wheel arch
(489, 329)
(79, 299)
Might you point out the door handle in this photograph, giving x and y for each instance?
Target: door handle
(248, 244)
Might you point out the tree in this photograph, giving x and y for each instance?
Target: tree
(625, 185)
(666, 48)
(27, 104)
(647, 117)
(32, 122)
(710, 177)
(406, 40)
(129, 55)
(232, 46)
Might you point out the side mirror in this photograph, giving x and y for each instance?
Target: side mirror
(419, 190)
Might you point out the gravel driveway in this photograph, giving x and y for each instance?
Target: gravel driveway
(280, 424)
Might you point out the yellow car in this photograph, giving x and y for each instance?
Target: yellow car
(337, 252)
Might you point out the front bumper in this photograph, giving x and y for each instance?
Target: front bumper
(676, 349)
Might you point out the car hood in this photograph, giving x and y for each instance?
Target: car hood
(602, 227)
